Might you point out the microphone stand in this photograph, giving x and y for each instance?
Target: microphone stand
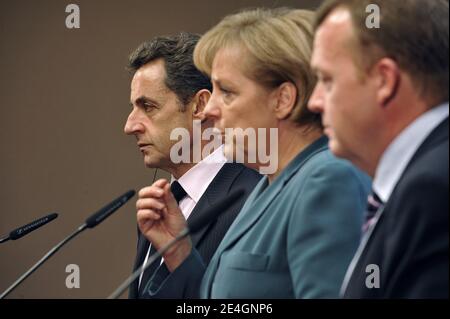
(90, 222)
(150, 261)
(42, 260)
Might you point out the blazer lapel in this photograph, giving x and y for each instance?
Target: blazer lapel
(256, 205)
(211, 270)
(264, 194)
(360, 250)
(142, 249)
(217, 190)
(201, 206)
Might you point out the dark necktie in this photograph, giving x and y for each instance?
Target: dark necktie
(179, 193)
(373, 205)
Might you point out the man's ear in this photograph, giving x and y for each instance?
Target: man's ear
(199, 102)
(388, 81)
(286, 98)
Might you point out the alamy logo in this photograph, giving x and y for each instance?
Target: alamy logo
(73, 280)
(373, 19)
(262, 145)
(373, 279)
(73, 19)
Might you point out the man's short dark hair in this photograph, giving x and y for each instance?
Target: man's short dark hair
(182, 77)
(415, 33)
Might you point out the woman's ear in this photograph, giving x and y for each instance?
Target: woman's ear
(286, 97)
(199, 102)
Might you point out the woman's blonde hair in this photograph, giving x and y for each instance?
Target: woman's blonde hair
(278, 43)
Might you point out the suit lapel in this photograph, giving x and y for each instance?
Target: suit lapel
(265, 194)
(256, 205)
(143, 245)
(217, 190)
(208, 278)
(360, 250)
(254, 209)
(201, 206)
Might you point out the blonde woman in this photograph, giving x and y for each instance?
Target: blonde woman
(299, 229)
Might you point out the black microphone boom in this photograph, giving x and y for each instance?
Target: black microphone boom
(90, 222)
(104, 213)
(206, 218)
(24, 230)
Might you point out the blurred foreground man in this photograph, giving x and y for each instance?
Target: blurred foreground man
(383, 91)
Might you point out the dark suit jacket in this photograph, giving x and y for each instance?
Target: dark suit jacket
(409, 243)
(230, 177)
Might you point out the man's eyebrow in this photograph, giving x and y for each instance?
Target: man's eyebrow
(144, 100)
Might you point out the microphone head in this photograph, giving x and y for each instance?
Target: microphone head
(106, 211)
(215, 211)
(22, 231)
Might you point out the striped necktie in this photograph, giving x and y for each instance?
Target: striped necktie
(373, 205)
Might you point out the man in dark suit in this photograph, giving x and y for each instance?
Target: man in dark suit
(167, 95)
(383, 92)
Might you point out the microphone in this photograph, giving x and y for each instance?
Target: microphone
(90, 222)
(195, 226)
(24, 230)
(106, 211)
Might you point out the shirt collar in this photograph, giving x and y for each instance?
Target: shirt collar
(399, 153)
(197, 179)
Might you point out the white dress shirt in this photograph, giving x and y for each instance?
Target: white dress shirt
(399, 153)
(195, 182)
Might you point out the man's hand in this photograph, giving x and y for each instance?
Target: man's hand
(160, 220)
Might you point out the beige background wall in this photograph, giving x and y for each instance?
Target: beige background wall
(63, 102)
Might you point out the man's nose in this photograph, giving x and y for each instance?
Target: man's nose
(133, 125)
(315, 103)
